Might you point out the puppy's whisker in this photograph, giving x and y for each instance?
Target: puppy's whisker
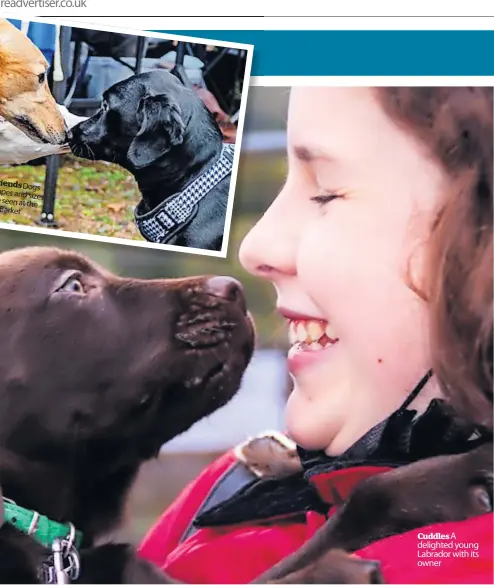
(91, 153)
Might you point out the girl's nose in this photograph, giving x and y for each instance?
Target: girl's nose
(268, 250)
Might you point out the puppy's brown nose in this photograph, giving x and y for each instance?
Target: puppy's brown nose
(227, 288)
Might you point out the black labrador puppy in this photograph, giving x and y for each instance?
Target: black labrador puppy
(161, 131)
(96, 373)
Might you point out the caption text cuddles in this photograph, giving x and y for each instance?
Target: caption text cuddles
(436, 545)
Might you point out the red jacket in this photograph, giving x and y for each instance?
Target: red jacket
(240, 553)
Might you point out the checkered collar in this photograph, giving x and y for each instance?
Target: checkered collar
(163, 222)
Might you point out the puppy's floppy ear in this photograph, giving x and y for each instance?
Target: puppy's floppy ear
(161, 128)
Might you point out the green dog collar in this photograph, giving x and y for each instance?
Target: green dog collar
(41, 528)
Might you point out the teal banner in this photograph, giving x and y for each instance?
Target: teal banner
(363, 52)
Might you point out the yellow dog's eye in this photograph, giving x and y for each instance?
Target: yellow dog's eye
(42, 77)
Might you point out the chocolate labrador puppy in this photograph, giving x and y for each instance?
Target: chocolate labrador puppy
(446, 488)
(161, 131)
(96, 373)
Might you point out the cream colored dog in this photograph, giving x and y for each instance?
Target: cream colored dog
(25, 98)
(18, 148)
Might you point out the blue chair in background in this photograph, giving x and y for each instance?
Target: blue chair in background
(43, 36)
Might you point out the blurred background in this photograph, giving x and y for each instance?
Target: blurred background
(260, 402)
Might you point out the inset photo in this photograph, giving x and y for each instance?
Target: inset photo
(114, 136)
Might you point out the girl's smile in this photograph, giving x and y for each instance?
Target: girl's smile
(310, 339)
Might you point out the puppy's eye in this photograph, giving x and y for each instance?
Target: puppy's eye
(72, 285)
(145, 400)
(144, 404)
(42, 77)
(105, 107)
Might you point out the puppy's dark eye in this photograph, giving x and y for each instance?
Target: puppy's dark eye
(144, 404)
(105, 107)
(72, 285)
(42, 77)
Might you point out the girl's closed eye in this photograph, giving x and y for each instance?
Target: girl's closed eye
(324, 198)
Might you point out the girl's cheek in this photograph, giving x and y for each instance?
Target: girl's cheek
(331, 254)
(310, 263)
(346, 271)
(322, 267)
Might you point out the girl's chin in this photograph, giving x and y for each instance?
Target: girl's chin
(306, 423)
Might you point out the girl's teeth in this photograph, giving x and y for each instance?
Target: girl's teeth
(330, 332)
(314, 346)
(311, 334)
(314, 331)
(292, 334)
(301, 332)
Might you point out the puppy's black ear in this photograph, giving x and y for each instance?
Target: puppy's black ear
(161, 128)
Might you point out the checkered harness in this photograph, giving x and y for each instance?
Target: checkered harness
(175, 212)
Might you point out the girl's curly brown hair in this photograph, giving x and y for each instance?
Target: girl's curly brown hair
(456, 126)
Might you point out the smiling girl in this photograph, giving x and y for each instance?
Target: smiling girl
(379, 247)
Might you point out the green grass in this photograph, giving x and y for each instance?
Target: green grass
(95, 198)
